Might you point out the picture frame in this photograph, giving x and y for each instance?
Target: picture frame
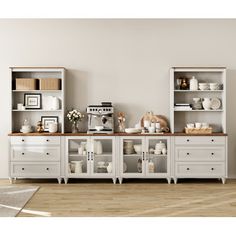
(48, 119)
(33, 100)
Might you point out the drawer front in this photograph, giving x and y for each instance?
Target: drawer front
(35, 169)
(200, 169)
(200, 154)
(202, 140)
(41, 140)
(35, 154)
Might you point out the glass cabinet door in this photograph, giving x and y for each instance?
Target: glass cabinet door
(78, 156)
(132, 153)
(102, 155)
(157, 149)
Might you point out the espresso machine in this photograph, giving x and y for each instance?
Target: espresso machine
(100, 118)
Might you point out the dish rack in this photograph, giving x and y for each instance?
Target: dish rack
(198, 130)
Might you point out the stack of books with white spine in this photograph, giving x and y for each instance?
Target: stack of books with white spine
(182, 107)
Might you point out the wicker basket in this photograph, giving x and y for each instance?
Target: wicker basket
(49, 84)
(198, 131)
(26, 84)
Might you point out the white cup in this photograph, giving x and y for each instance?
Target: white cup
(190, 125)
(151, 129)
(205, 125)
(20, 106)
(198, 125)
(52, 127)
(158, 125)
(146, 123)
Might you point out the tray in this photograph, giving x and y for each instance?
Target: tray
(198, 131)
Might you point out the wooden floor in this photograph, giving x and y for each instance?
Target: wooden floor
(132, 198)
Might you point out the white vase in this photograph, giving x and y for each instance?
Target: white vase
(109, 167)
(52, 127)
(98, 147)
(78, 166)
(193, 83)
(206, 103)
(54, 103)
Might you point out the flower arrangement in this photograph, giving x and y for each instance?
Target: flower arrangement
(74, 116)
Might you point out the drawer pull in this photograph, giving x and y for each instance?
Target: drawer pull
(212, 153)
(212, 168)
(187, 153)
(212, 140)
(22, 153)
(187, 140)
(22, 140)
(47, 140)
(47, 168)
(188, 169)
(22, 168)
(47, 153)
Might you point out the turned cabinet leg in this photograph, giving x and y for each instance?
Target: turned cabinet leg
(120, 180)
(175, 180)
(59, 180)
(223, 180)
(66, 180)
(169, 180)
(114, 180)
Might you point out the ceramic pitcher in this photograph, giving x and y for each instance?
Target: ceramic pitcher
(206, 103)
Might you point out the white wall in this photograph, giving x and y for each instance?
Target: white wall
(123, 61)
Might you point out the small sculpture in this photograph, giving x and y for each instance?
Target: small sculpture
(121, 122)
(39, 127)
(184, 84)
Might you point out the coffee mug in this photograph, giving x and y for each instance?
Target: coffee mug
(190, 125)
(20, 106)
(151, 129)
(198, 125)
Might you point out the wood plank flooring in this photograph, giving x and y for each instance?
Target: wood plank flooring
(132, 198)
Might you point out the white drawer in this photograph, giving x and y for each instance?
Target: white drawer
(199, 169)
(200, 154)
(201, 140)
(32, 140)
(35, 169)
(35, 153)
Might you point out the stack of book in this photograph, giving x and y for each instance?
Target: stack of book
(182, 107)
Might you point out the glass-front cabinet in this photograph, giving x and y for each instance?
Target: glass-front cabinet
(145, 157)
(90, 157)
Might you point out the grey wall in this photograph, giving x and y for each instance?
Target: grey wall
(123, 61)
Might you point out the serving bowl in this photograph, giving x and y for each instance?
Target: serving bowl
(138, 148)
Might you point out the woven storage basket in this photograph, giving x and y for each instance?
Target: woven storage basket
(26, 84)
(49, 84)
(198, 131)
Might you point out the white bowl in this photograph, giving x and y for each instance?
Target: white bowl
(138, 148)
(132, 130)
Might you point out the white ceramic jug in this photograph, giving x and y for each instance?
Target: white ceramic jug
(109, 167)
(193, 83)
(55, 105)
(52, 127)
(98, 147)
(206, 103)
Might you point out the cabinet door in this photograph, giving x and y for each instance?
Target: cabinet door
(102, 157)
(157, 156)
(132, 156)
(77, 156)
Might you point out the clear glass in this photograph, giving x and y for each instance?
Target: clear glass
(132, 156)
(77, 156)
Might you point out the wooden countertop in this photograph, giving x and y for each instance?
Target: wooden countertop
(114, 134)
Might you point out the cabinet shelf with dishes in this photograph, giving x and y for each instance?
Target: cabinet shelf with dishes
(205, 103)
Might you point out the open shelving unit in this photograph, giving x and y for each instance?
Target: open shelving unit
(34, 115)
(215, 118)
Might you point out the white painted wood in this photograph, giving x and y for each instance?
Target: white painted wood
(200, 140)
(35, 140)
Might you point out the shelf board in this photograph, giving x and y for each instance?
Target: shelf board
(132, 155)
(36, 91)
(156, 155)
(75, 154)
(219, 110)
(106, 154)
(196, 91)
(30, 110)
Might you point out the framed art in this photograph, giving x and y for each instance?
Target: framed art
(46, 120)
(33, 100)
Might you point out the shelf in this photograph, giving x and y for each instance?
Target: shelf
(220, 110)
(75, 154)
(196, 91)
(36, 91)
(132, 155)
(30, 110)
(106, 154)
(156, 155)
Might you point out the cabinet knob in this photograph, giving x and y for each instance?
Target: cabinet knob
(212, 168)
(187, 168)
(212, 153)
(212, 140)
(47, 153)
(47, 140)
(22, 140)
(23, 168)
(22, 153)
(47, 168)
(188, 153)
(187, 140)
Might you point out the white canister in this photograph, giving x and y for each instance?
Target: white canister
(52, 127)
(55, 104)
(99, 148)
(146, 123)
(206, 103)
(109, 167)
(193, 83)
(78, 166)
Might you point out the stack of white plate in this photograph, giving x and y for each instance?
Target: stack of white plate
(128, 147)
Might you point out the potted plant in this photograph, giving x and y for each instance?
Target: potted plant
(75, 116)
